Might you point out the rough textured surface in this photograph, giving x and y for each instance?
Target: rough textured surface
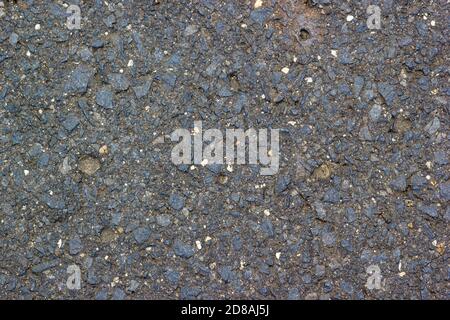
(364, 172)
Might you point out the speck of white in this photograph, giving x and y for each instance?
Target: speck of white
(243, 25)
(37, 27)
(59, 243)
(28, 54)
(26, 172)
(278, 255)
(350, 18)
(309, 79)
(434, 243)
(207, 239)
(292, 123)
(198, 244)
(267, 212)
(121, 70)
(319, 57)
(230, 168)
(258, 4)
(433, 23)
(130, 63)
(428, 164)
(204, 162)
(334, 53)
(285, 70)
(295, 59)
(428, 177)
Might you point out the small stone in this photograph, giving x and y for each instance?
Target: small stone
(75, 246)
(133, 286)
(141, 234)
(104, 98)
(190, 30)
(183, 250)
(260, 15)
(328, 238)
(54, 202)
(13, 38)
(331, 196)
(258, 4)
(44, 266)
(323, 172)
(163, 220)
(176, 201)
(399, 184)
(375, 112)
(172, 276)
(430, 210)
(433, 126)
(142, 90)
(444, 191)
(79, 79)
(119, 294)
(118, 81)
(71, 122)
(89, 165)
(103, 150)
(388, 92)
(282, 184)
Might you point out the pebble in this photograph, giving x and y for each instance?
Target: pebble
(89, 165)
(141, 235)
(104, 98)
(183, 250)
(176, 201)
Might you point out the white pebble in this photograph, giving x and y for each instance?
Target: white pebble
(350, 18)
(37, 27)
(258, 4)
(334, 53)
(130, 63)
(285, 70)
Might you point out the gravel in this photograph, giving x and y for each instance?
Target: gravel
(86, 176)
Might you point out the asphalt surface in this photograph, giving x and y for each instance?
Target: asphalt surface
(359, 207)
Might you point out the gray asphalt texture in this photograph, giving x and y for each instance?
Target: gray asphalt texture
(364, 169)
